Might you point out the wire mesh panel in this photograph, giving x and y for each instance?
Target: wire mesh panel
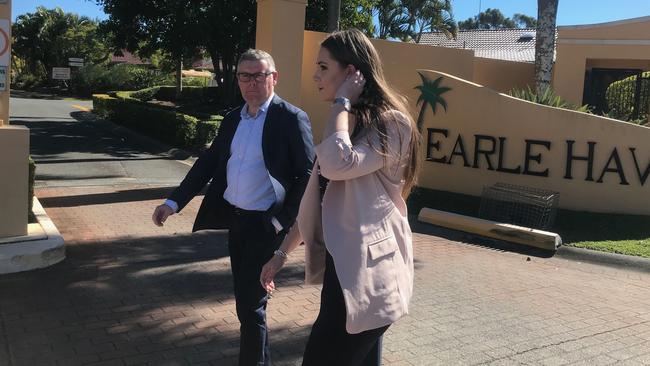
(519, 205)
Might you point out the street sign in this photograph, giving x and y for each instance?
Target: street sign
(5, 42)
(61, 73)
(75, 64)
(76, 59)
(3, 78)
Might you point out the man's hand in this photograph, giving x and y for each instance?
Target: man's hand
(160, 214)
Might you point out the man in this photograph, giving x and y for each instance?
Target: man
(259, 165)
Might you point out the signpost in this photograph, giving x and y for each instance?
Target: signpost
(75, 62)
(61, 73)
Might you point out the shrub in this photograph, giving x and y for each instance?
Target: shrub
(97, 78)
(196, 81)
(206, 131)
(102, 105)
(548, 97)
(168, 126)
(89, 79)
(27, 81)
(197, 94)
(620, 98)
(147, 94)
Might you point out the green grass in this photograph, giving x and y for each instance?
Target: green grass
(616, 233)
(639, 248)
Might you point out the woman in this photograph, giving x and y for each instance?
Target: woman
(369, 156)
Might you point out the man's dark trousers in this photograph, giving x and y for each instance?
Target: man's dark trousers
(288, 153)
(251, 244)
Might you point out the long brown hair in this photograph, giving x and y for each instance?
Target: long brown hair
(352, 47)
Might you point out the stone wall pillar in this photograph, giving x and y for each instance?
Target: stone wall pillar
(14, 145)
(280, 32)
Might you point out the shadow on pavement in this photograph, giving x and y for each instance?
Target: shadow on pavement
(50, 139)
(471, 239)
(151, 300)
(35, 95)
(127, 195)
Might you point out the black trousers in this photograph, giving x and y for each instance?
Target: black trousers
(251, 243)
(329, 343)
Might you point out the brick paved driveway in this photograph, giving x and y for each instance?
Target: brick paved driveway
(130, 293)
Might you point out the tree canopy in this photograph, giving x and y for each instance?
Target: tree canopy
(494, 19)
(48, 37)
(183, 29)
(406, 20)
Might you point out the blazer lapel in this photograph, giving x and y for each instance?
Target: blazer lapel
(230, 132)
(268, 125)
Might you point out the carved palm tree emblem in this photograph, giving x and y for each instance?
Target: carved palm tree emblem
(431, 94)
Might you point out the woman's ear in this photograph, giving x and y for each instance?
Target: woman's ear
(350, 69)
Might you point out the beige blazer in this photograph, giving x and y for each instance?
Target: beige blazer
(363, 224)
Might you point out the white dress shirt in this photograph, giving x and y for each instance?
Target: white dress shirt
(248, 185)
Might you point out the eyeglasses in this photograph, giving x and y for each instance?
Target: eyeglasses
(259, 77)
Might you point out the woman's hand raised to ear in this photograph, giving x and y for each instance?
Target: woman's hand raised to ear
(352, 87)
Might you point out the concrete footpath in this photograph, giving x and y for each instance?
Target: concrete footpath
(130, 293)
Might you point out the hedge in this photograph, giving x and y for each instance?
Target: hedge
(620, 98)
(168, 93)
(165, 125)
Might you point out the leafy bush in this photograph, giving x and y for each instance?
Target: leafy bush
(206, 131)
(195, 81)
(103, 105)
(147, 94)
(96, 78)
(27, 81)
(196, 94)
(620, 99)
(548, 97)
(175, 128)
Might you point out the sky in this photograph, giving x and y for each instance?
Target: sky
(570, 12)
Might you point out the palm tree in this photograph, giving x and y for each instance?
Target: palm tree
(429, 16)
(391, 19)
(333, 15)
(431, 95)
(545, 43)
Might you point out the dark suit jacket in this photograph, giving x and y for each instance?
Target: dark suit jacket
(288, 151)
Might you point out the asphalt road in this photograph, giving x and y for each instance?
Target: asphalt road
(70, 152)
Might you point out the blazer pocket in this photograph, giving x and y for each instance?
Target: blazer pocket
(381, 248)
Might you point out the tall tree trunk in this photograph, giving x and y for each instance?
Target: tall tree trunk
(545, 43)
(179, 78)
(218, 72)
(334, 15)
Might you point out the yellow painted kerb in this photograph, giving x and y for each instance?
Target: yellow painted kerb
(512, 233)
